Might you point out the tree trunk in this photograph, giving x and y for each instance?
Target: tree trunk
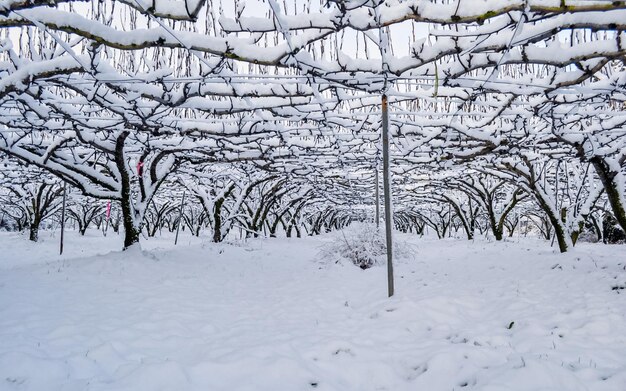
(217, 219)
(131, 232)
(559, 229)
(495, 227)
(611, 187)
(34, 229)
(596, 228)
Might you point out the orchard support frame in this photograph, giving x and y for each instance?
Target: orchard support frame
(387, 196)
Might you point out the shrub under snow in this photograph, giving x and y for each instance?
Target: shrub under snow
(363, 245)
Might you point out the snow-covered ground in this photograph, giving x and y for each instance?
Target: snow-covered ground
(268, 315)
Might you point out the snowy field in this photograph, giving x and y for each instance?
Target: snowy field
(270, 315)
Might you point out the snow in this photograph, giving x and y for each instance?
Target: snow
(270, 315)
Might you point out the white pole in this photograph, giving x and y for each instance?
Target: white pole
(180, 218)
(63, 217)
(377, 195)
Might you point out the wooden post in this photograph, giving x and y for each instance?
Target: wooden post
(63, 217)
(377, 195)
(387, 196)
(180, 218)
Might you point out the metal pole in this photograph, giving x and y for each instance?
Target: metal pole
(377, 192)
(449, 221)
(107, 215)
(387, 196)
(519, 225)
(106, 227)
(63, 217)
(180, 218)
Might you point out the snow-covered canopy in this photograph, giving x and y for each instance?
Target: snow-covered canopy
(95, 91)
